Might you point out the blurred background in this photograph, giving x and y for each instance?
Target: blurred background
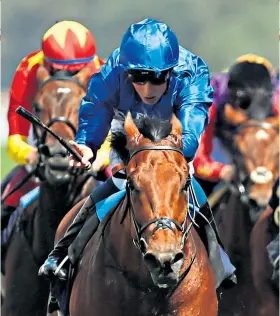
(217, 30)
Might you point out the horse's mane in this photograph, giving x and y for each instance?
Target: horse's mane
(152, 128)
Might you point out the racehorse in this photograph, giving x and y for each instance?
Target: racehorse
(265, 278)
(57, 105)
(146, 257)
(255, 153)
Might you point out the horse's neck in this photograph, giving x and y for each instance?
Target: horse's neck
(119, 252)
(53, 204)
(234, 230)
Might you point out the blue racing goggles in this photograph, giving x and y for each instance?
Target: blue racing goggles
(143, 76)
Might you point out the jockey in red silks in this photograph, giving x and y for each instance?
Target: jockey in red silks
(67, 45)
(233, 90)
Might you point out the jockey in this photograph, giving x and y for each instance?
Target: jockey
(149, 74)
(227, 85)
(67, 45)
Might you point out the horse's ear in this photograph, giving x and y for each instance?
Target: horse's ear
(234, 116)
(132, 132)
(83, 76)
(42, 74)
(176, 132)
(176, 126)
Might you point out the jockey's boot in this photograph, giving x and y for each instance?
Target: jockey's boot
(229, 270)
(53, 266)
(206, 210)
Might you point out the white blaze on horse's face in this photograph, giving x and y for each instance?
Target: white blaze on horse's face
(262, 135)
(261, 175)
(63, 90)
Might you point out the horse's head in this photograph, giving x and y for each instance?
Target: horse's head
(256, 155)
(158, 181)
(57, 104)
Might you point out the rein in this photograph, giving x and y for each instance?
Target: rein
(239, 184)
(60, 75)
(163, 222)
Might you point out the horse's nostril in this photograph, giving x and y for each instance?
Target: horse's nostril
(163, 261)
(179, 256)
(44, 150)
(253, 203)
(151, 261)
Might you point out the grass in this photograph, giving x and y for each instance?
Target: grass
(6, 163)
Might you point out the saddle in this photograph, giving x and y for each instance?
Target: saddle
(28, 185)
(16, 220)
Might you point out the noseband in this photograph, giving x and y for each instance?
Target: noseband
(62, 76)
(163, 222)
(240, 182)
(41, 139)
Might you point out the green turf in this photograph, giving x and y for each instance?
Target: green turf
(6, 163)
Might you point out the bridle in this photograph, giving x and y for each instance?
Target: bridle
(242, 178)
(62, 76)
(41, 140)
(163, 222)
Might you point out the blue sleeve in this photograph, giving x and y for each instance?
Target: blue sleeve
(194, 98)
(97, 107)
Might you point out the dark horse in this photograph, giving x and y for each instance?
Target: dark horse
(255, 151)
(146, 257)
(262, 235)
(57, 105)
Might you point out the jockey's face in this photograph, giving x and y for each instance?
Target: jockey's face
(150, 93)
(149, 85)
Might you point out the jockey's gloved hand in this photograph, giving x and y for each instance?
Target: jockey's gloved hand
(227, 173)
(32, 157)
(85, 152)
(50, 269)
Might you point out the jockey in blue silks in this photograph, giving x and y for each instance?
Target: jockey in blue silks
(150, 73)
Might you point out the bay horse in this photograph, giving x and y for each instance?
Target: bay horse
(262, 270)
(146, 257)
(56, 104)
(255, 152)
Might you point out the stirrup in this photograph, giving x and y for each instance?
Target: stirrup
(61, 265)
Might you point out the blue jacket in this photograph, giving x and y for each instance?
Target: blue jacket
(110, 92)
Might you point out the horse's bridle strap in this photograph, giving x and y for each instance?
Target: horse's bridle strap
(136, 151)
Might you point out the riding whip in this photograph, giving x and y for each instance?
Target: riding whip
(35, 120)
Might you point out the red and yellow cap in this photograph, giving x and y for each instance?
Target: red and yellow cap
(253, 58)
(68, 45)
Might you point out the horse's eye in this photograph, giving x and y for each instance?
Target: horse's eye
(186, 185)
(36, 107)
(130, 185)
